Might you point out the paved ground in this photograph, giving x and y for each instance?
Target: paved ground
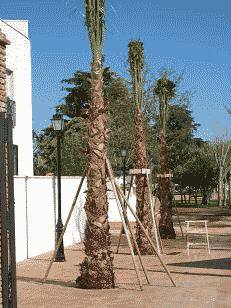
(202, 280)
(191, 291)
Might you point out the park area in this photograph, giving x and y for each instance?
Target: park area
(202, 279)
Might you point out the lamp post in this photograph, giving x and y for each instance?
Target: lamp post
(57, 123)
(124, 155)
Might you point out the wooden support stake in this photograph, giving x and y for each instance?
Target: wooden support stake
(122, 218)
(153, 218)
(138, 171)
(67, 221)
(143, 171)
(133, 238)
(121, 230)
(150, 241)
(177, 214)
(159, 232)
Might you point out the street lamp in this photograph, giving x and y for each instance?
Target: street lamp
(57, 124)
(124, 155)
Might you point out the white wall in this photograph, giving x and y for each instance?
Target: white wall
(42, 210)
(18, 60)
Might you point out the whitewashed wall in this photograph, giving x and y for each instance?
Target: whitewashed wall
(36, 213)
(18, 60)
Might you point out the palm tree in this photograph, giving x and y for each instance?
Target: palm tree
(97, 267)
(165, 90)
(136, 61)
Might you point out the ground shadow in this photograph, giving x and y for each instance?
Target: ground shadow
(40, 280)
(213, 264)
(72, 284)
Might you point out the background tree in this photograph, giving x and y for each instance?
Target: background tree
(199, 171)
(227, 178)
(121, 122)
(77, 100)
(180, 127)
(122, 110)
(180, 119)
(97, 268)
(180, 130)
(221, 150)
(73, 142)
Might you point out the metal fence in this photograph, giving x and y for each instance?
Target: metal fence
(7, 221)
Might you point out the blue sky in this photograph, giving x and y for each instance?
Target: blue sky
(190, 37)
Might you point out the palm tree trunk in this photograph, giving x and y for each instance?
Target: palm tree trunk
(142, 192)
(97, 267)
(229, 190)
(166, 223)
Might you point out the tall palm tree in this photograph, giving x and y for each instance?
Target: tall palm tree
(165, 89)
(136, 61)
(97, 267)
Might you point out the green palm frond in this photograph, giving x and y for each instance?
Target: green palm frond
(136, 61)
(165, 89)
(95, 22)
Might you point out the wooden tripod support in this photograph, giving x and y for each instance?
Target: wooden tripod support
(177, 214)
(118, 195)
(122, 229)
(143, 171)
(158, 232)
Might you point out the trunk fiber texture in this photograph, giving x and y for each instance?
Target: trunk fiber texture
(165, 195)
(143, 209)
(97, 267)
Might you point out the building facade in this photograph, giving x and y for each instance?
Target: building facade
(19, 92)
(8, 296)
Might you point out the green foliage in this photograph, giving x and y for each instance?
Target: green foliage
(38, 164)
(182, 146)
(44, 156)
(72, 146)
(199, 170)
(180, 127)
(152, 100)
(120, 122)
(228, 110)
(220, 148)
(77, 101)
